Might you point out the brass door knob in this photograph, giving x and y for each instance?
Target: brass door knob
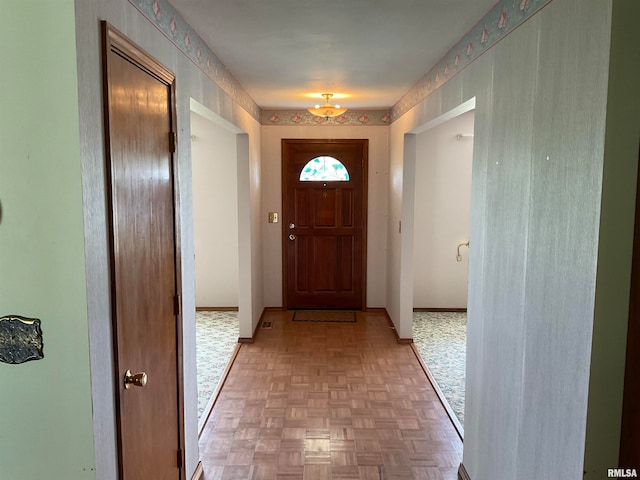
(134, 379)
(292, 237)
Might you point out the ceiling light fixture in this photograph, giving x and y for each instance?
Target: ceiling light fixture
(327, 110)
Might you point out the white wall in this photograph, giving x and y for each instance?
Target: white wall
(541, 96)
(192, 84)
(215, 213)
(377, 204)
(442, 212)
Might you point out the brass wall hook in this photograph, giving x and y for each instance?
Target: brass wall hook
(458, 256)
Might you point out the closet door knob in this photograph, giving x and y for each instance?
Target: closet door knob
(134, 379)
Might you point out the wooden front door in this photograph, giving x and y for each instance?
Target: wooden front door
(139, 119)
(324, 223)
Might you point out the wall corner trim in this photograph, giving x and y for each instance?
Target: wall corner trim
(252, 338)
(462, 473)
(401, 341)
(199, 473)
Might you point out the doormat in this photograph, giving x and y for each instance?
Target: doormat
(324, 316)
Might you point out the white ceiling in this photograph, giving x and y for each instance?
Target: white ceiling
(371, 51)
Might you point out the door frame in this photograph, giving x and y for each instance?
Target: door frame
(630, 418)
(116, 42)
(365, 202)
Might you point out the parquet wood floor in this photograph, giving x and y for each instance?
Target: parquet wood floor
(328, 401)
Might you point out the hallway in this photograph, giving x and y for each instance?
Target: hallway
(328, 401)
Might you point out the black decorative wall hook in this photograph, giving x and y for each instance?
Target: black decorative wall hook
(20, 339)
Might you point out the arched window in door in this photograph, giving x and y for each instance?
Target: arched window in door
(324, 168)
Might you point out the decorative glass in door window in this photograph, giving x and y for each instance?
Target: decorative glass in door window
(324, 168)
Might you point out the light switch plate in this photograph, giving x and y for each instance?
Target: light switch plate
(273, 217)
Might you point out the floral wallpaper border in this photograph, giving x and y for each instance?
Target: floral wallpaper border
(502, 19)
(167, 19)
(349, 118)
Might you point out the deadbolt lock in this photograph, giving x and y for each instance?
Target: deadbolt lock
(134, 379)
